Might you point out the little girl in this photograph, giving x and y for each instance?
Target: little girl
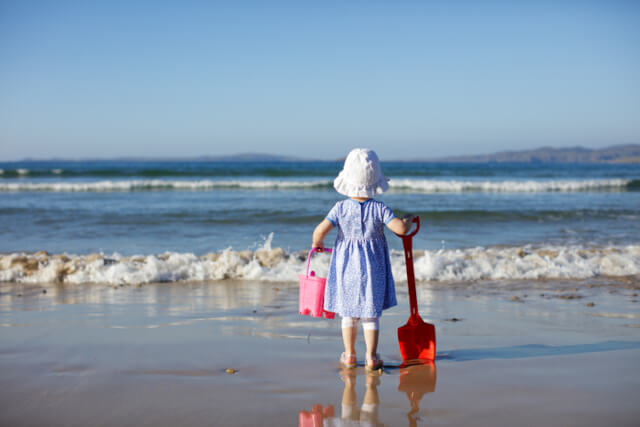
(360, 283)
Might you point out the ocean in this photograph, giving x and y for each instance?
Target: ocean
(121, 222)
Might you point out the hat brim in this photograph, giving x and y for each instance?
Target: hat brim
(350, 189)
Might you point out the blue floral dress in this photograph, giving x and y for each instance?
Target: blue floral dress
(360, 281)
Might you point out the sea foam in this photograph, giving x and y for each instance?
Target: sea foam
(405, 185)
(156, 184)
(275, 264)
(455, 186)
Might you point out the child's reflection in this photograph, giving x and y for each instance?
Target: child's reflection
(368, 413)
(415, 381)
(350, 415)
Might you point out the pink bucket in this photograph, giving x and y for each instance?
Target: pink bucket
(312, 292)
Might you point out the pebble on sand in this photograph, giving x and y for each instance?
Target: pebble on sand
(569, 296)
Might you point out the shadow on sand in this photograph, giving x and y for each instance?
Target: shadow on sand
(534, 350)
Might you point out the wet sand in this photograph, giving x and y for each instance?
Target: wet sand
(508, 354)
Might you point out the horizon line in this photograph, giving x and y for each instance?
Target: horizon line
(280, 158)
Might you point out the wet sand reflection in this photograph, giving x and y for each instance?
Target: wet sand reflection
(415, 381)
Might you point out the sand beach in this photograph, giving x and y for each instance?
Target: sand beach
(236, 353)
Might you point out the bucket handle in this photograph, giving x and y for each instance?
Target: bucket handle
(311, 253)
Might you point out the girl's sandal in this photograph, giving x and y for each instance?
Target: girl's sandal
(348, 360)
(373, 364)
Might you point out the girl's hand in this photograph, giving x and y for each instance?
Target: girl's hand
(408, 218)
(320, 233)
(407, 221)
(401, 226)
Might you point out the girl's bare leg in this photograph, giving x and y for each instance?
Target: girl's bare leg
(349, 339)
(371, 340)
(371, 328)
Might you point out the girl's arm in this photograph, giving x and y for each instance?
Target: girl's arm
(401, 226)
(320, 233)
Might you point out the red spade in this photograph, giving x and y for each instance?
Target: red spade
(417, 338)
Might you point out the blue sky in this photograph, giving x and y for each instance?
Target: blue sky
(314, 79)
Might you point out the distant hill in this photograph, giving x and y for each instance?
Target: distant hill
(616, 154)
(248, 157)
(629, 153)
(242, 157)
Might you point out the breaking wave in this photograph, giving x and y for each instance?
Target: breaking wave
(405, 185)
(157, 184)
(454, 186)
(275, 264)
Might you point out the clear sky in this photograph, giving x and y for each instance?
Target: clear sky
(314, 79)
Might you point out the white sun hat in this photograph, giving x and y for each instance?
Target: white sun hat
(361, 175)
